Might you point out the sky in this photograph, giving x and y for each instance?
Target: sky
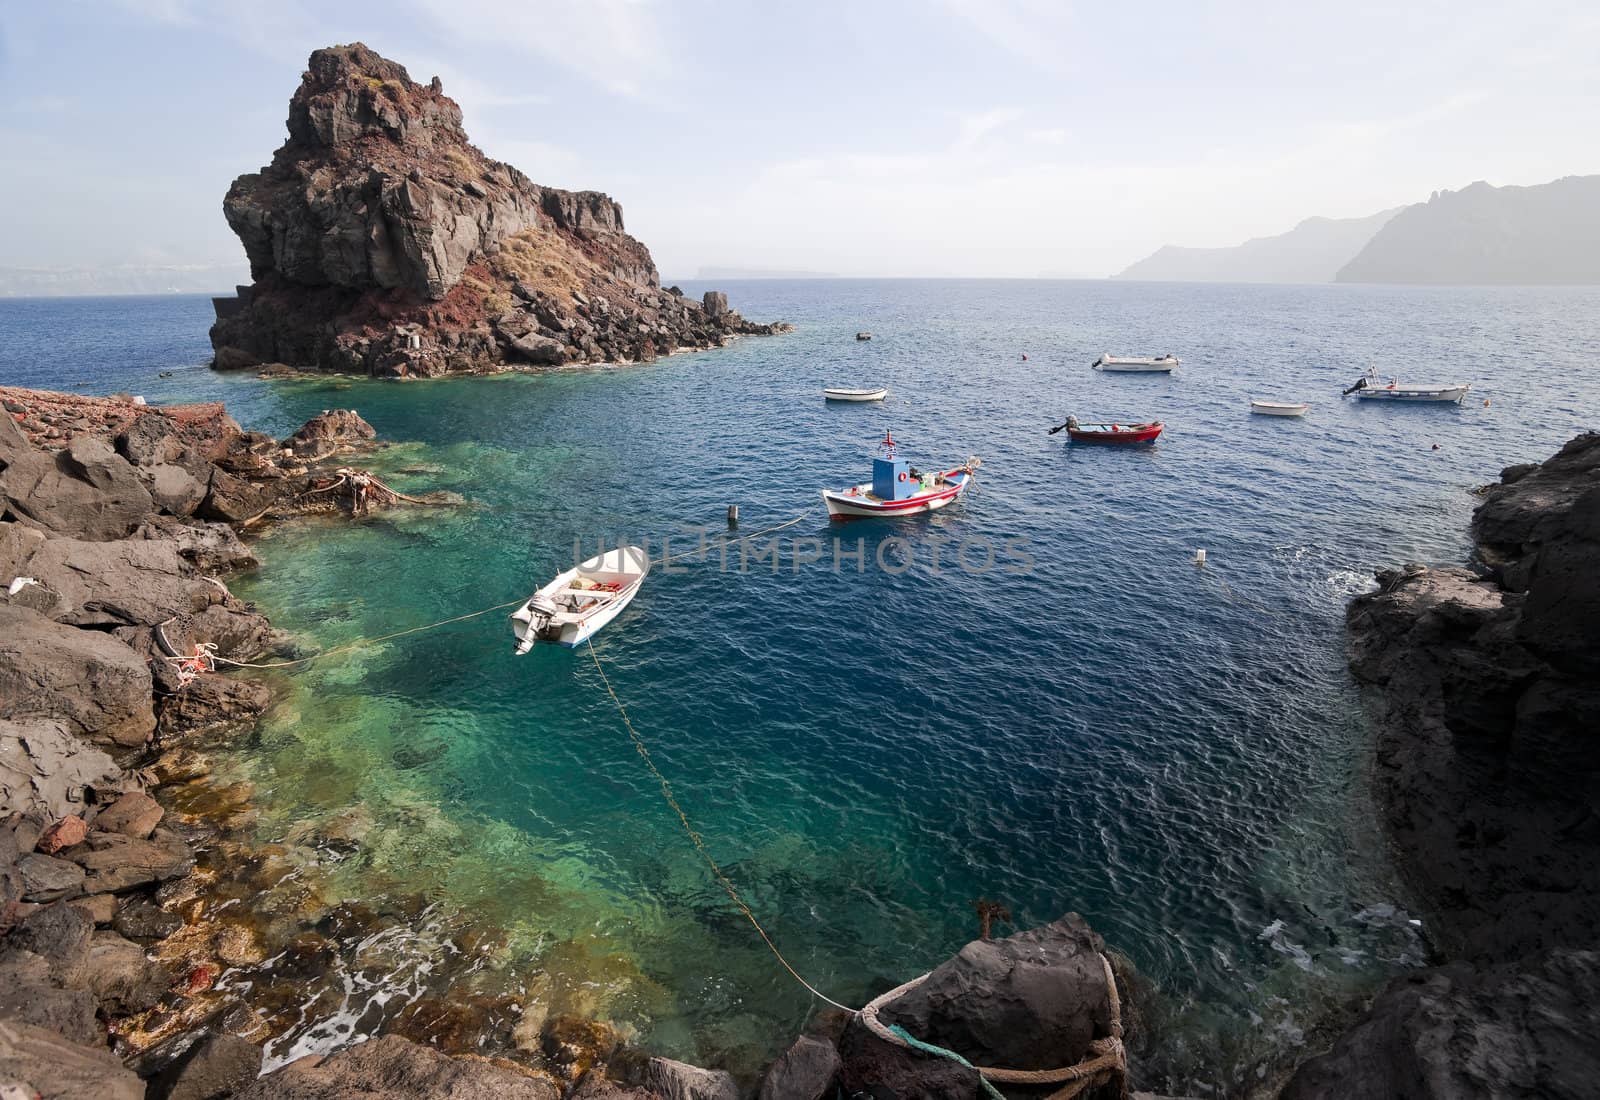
(1006, 138)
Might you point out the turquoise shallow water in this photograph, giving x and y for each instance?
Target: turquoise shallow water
(1174, 752)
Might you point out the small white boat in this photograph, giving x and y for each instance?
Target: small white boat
(1163, 363)
(837, 393)
(569, 609)
(1279, 408)
(1369, 387)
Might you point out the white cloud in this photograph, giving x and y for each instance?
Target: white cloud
(620, 45)
(1036, 31)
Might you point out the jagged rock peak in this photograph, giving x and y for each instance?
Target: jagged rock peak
(382, 241)
(350, 92)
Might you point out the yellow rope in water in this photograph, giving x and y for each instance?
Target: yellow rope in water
(695, 837)
(369, 641)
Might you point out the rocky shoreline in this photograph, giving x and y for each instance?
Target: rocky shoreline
(383, 242)
(150, 945)
(1486, 681)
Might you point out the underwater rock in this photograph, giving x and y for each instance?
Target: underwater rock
(680, 1081)
(134, 814)
(213, 1065)
(397, 1068)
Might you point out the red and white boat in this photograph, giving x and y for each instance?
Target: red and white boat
(899, 489)
(1111, 433)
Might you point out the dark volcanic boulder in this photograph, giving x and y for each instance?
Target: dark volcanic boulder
(680, 1081)
(60, 935)
(116, 863)
(51, 1067)
(92, 683)
(214, 1065)
(328, 431)
(1508, 1031)
(1034, 1000)
(398, 1069)
(45, 767)
(87, 491)
(805, 1071)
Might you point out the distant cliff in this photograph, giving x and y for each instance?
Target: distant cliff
(1490, 235)
(1311, 252)
(382, 241)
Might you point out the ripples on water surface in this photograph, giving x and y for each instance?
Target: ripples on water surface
(1174, 752)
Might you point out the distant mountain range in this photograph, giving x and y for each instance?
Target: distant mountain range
(63, 282)
(1480, 235)
(1311, 252)
(759, 273)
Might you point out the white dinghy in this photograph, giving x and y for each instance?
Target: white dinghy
(569, 609)
(1279, 408)
(1163, 363)
(838, 393)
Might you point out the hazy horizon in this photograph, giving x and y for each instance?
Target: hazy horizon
(1014, 139)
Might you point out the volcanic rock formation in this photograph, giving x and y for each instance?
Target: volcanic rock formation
(383, 242)
(1488, 768)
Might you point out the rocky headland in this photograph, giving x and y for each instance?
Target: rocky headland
(382, 242)
(1486, 680)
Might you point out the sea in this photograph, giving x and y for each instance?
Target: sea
(1033, 697)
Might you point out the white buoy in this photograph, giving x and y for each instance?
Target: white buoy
(1199, 557)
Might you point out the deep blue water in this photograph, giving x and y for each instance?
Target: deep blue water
(1174, 752)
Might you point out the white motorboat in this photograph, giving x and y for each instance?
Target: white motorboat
(1279, 408)
(1163, 363)
(1369, 387)
(569, 609)
(837, 393)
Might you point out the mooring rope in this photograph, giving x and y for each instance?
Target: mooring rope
(695, 838)
(368, 641)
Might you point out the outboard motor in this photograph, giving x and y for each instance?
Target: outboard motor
(1361, 384)
(537, 615)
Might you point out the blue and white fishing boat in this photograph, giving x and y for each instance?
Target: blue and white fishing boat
(898, 489)
(1369, 387)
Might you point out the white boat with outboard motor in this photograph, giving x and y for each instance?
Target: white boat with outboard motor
(839, 393)
(1160, 364)
(1369, 387)
(569, 609)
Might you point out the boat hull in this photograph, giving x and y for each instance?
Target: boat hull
(1277, 408)
(1112, 363)
(1107, 433)
(1415, 394)
(857, 504)
(626, 566)
(855, 395)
